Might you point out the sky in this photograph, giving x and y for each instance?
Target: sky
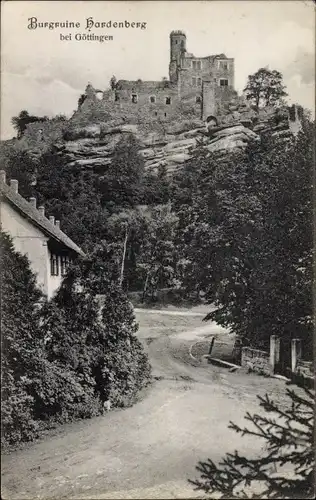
(45, 76)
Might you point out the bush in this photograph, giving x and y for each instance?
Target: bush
(97, 339)
(20, 343)
(64, 360)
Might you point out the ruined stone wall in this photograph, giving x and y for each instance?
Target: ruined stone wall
(140, 102)
(41, 134)
(305, 368)
(194, 70)
(255, 360)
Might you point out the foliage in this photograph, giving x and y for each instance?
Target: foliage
(20, 121)
(146, 234)
(120, 182)
(70, 195)
(20, 165)
(20, 342)
(265, 88)
(289, 441)
(63, 359)
(98, 336)
(245, 237)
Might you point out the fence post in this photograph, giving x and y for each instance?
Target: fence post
(296, 353)
(274, 352)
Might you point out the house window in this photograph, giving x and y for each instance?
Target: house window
(165, 114)
(152, 98)
(168, 100)
(156, 113)
(64, 264)
(54, 265)
(117, 97)
(134, 98)
(199, 81)
(196, 65)
(198, 99)
(194, 81)
(223, 82)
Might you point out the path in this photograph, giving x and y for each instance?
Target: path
(151, 449)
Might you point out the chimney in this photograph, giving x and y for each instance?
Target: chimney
(14, 184)
(57, 224)
(41, 210)
(33, 202)
(2, 176)
(52, 219)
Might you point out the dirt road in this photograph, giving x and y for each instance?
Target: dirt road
(151, 449)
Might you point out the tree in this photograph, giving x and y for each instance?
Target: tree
(265, 88)
(21, 121)
(20, 165)
(244, 242)
(120, 182)
(98, 338)
(289, 441)
(21, 342)
(70, 194)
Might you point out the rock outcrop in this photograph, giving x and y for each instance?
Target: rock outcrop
(92, 145)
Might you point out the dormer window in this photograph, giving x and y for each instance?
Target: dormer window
(168, 100)
(134, 98)
(152, 99)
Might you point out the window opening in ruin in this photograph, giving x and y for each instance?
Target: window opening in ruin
(156, 113)
(153, 98)
(223, 82)
(197, 65)
(165, 114)
(168, 100)
(134, 98)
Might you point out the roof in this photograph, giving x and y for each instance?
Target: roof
(31, 213)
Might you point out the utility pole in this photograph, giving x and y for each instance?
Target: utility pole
(124, 254)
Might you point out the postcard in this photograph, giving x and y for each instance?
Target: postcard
(157, 249)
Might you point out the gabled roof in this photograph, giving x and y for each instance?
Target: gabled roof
(30, 212)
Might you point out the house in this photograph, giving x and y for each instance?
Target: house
(48, 249)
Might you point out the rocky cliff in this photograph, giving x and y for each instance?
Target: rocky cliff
(91, 145)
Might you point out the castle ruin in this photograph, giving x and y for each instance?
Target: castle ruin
(198, 87)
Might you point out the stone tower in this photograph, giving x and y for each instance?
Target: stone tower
(178, 42)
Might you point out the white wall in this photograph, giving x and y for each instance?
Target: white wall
(30, 241)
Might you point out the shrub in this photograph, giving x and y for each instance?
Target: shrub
(64, 360)
(97, 338)
(20, 342)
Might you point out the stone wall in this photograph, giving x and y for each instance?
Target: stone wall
(305, 368)
(256, 360)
